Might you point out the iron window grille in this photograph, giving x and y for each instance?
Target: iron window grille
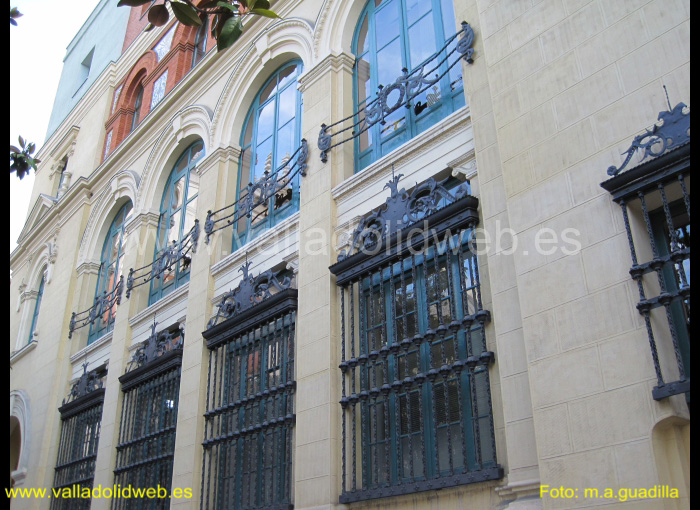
(250, 396)
(654, 199)
(147, 428)
(81, 415)
(415, 400)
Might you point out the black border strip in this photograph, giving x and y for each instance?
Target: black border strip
(456, 215)
(277, 305)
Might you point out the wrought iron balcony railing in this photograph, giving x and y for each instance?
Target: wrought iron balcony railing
(104, 306)
(165, 260)
(251, 202)
(409, 86)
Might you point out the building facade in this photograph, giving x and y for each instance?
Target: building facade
(376, 254)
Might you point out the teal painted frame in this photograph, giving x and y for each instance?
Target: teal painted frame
(158, 289)
(414, 124)
(240, 238)
(37, 306)
(98, 328)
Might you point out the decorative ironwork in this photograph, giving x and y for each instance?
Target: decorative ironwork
(409, 86)
(87, 383)
(259, 193)
(250, 401)
(401, 210)
(81, 415)
(104, 305)
(666, 236)
(151, 387)
(415, 383)
(673, 132)
(250, 292)
(165, 260)
(156, 345)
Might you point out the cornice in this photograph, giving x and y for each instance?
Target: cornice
(403, 154)
(145, 219)
(151, 311)
(229, 154)
(88, 268)
(21, 353)
(90, 348)
(238, 257)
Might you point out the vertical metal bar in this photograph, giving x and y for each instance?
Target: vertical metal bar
(418, 340)
(662, 285)
(383, 351)
(406, 342)
(364, 414)
(395, 347)
(290, 390)
(686, 196)
(371, 363)
(432, 373)
(343, 392)
(353, 404)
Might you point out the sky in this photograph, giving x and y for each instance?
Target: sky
(37, 47)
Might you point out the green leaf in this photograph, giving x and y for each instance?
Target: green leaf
(230, 32)
(158, 15)
(149, 27)
(14, 149)
(261, 4)
(264, 12)
(228, 6)
(21, 142)
(132, 3)
(186, 14)
(13, 22)
(31, 147)
(208, 5)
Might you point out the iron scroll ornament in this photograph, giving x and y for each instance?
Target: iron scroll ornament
(258, 192)
(400, 210)
(87, 383)
(250, 292)
(673, 131)
(102, 304)
(409, 85)
(165, 260)
(156, 345)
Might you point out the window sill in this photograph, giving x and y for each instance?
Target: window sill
(91, 347)
(490, 473)
(17, 355)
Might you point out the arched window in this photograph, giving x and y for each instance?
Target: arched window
(200, 42)
(271, 134)
(111, 268)
(137, 107)
(177, 215)
(37, 306)
(392, 35)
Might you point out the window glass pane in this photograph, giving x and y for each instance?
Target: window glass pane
(285, 143)
(421, 40)
(387, 23)
(263, 158)
(415, 9)
(164, 44)
(266, 121)
(389, 64)
(287, 75)
(159, 89)
(287, 105)
(193, 186)
(178, 193)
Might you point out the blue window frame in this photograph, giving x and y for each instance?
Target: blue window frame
(271, 134)
(111, 267)
(177, 216)
(392, 35)
(37, 306)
